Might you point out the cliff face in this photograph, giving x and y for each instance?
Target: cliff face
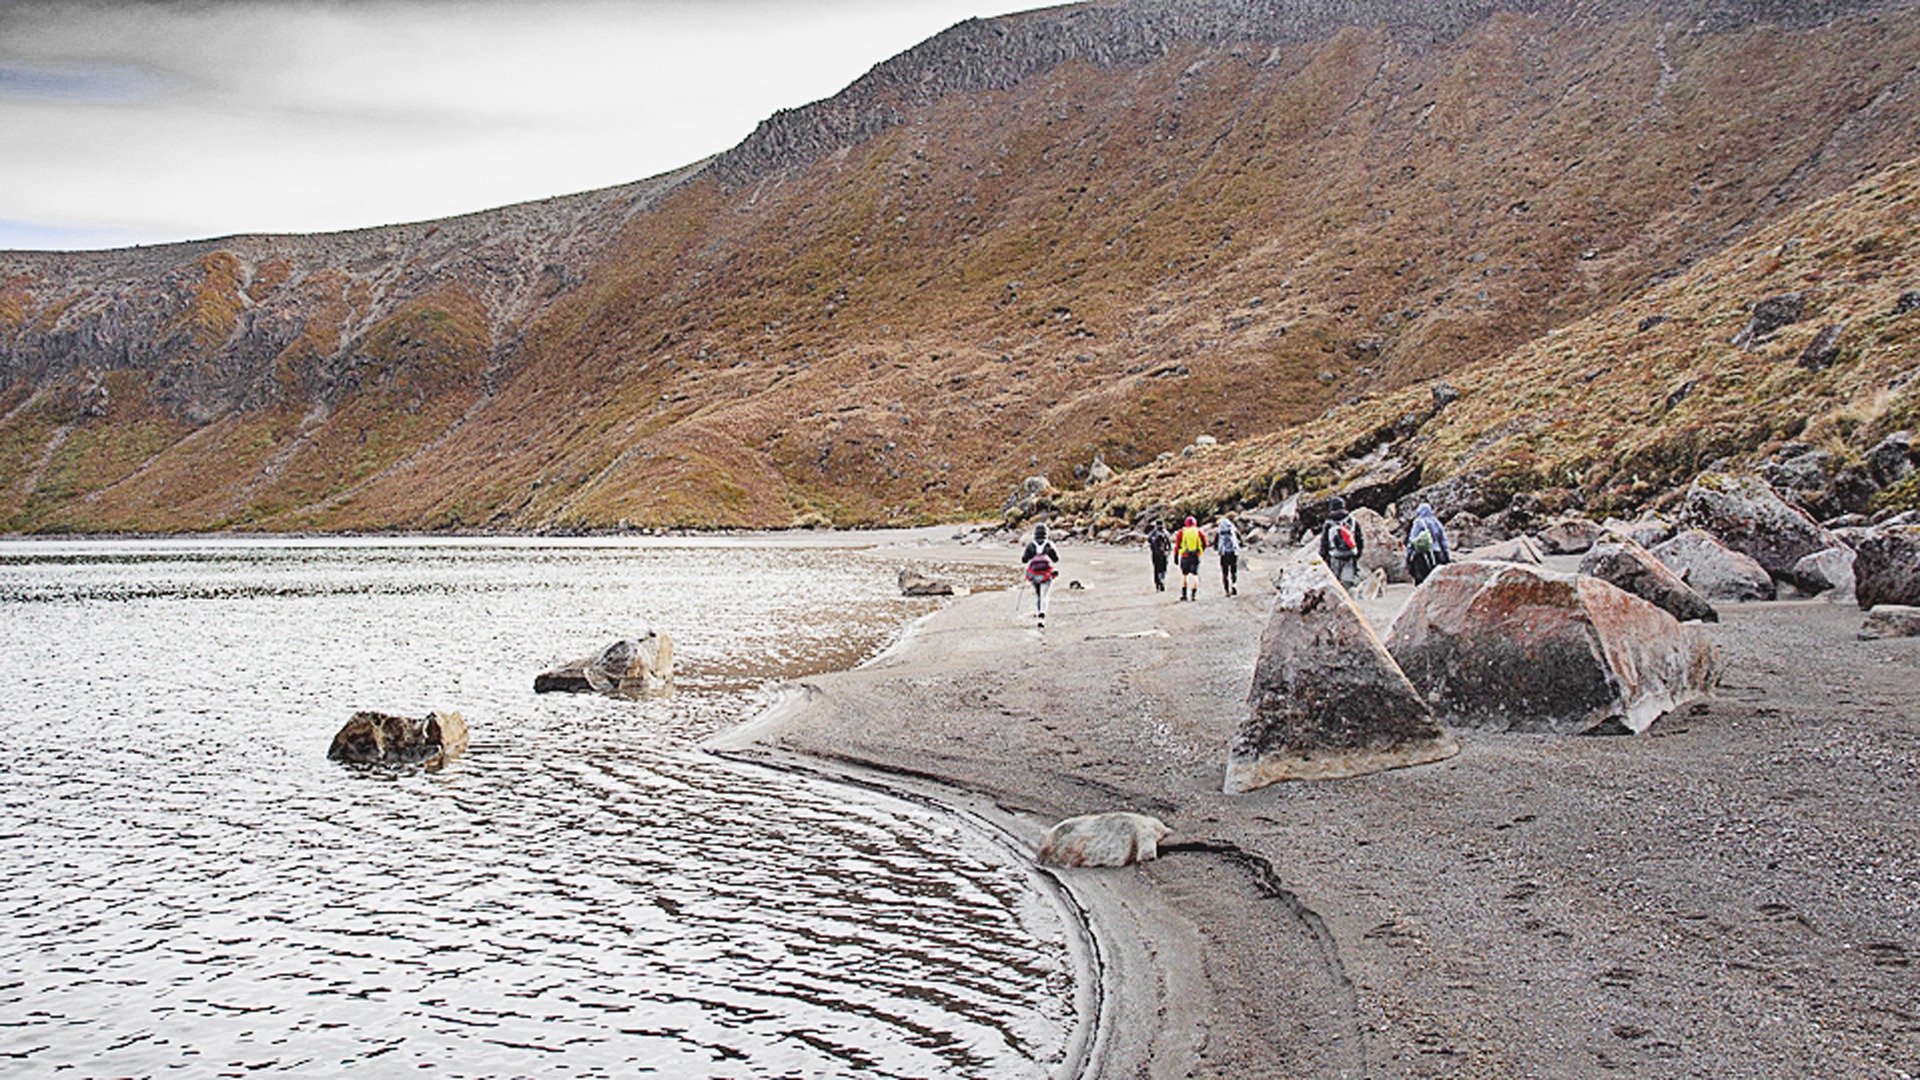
(1105, 228)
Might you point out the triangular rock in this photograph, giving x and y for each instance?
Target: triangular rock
(1327, 700)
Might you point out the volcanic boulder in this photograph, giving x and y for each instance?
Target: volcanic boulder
(1746, 515)
(1116, 839)
(1518, 549)
(1714, 570)
(1514, 648)
(1624, 564)
(1569, 536)
(625, 668)
(372, 738)
(1327, 701)
(1826, 573)
(1886, 566)
(1891, 621)
(1382, 550)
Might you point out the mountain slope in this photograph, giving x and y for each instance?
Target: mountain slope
(1102, 229)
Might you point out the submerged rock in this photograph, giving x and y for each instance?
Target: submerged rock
(1519, 649)
(917, 583)
(1115, 839)
(1327, 700)
(373, 738)
(625, 668)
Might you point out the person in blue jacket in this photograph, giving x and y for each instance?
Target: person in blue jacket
(1426, 544)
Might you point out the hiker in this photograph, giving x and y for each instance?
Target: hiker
(1042, 561)
(1159, 544)
(1341, 542)
(1226, 540)
(1188, 543)
(1426, 544)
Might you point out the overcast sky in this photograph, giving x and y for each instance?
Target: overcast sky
(141, 122)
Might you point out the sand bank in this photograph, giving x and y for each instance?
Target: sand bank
(1735, 893)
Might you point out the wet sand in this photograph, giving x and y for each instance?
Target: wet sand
(1735, 893)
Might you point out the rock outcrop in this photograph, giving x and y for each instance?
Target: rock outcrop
(1514, 648)
(1114, 839)
(374, 738)
(1327, 700)
(1714, 570)
(1624, 564)
(626, 668)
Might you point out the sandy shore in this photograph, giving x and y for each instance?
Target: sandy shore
(1735, 893)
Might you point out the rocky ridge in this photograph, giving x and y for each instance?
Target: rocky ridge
(1104, 222)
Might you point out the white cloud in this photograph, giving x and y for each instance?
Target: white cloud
(151, 122)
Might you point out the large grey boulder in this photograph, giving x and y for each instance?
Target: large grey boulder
(629, 667)
(1886, 566)
(1327, 700)
(1714, 570)
(1620, 562)
(1827, 574)
(1516, 648)
(1383, 550)
(1114, 839)
(1749, 517)
(374, 738)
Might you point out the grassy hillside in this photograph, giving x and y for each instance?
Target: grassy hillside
(1619, 410)
(1229, 239)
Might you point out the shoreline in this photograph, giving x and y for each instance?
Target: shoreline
(1663, 904)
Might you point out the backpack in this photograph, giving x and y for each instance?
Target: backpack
(1421, 540)
(1192, 540)
(1040, 568)
(1340, 538)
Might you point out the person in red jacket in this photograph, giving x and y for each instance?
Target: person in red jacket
(1188, 543)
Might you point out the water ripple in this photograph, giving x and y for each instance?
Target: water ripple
(188, 885)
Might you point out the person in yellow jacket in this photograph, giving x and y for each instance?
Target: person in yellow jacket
(1188, 543)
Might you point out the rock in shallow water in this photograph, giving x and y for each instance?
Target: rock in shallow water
(1327, 701)
(626, 668)
(373, 738)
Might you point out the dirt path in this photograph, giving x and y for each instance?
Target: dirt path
(1735, 893)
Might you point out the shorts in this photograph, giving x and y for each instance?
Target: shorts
(1190, 564)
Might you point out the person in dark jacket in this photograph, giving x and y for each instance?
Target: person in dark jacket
(1042, 561)
(1159, 545)
(1426, 544)
(1226, 541)
(1341, 542)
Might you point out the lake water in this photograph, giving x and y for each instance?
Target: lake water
(188, 887)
